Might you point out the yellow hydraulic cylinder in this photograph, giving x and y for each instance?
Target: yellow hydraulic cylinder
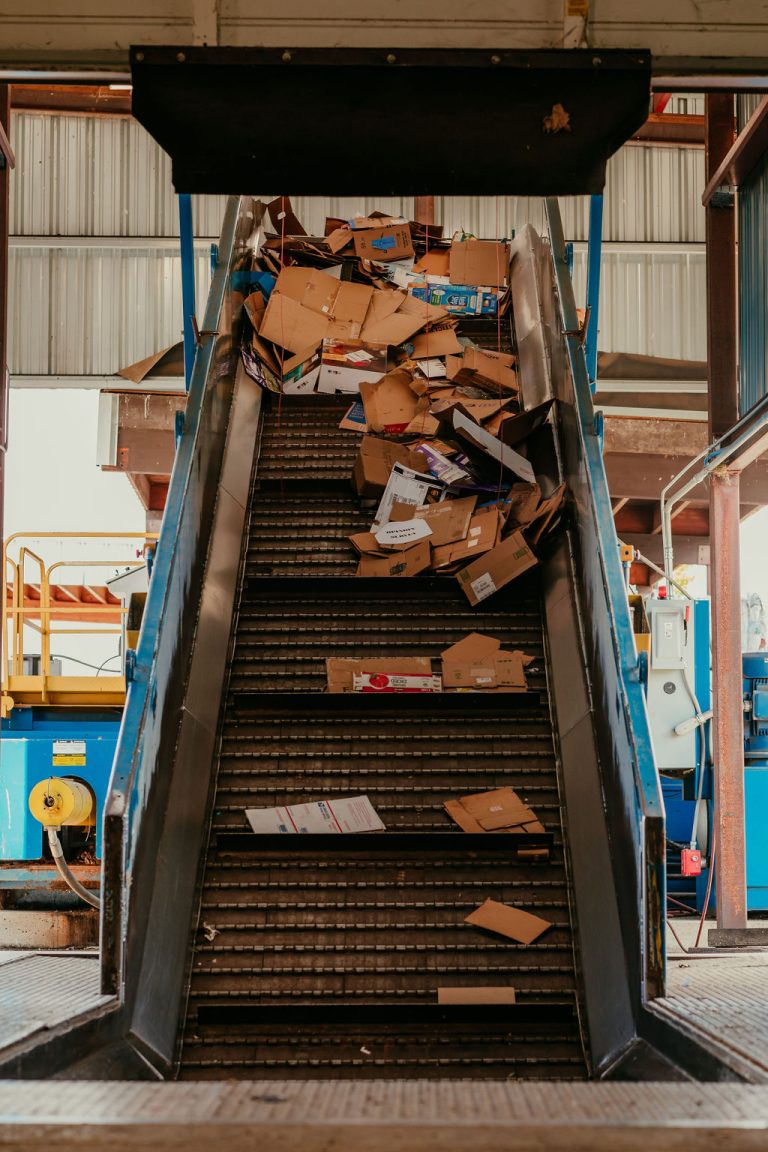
(60, 800)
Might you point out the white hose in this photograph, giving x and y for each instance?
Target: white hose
(64, 870)
(701, 720)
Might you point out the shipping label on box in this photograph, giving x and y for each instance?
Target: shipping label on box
(496, 568)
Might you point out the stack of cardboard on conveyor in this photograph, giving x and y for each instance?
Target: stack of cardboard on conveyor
(476, 663)
(372, 309)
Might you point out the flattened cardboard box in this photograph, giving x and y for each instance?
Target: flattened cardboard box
(507, 921)
(410, 562)
(341, 671)
(493, 994)
(479, 263)
(496, 568)
(436, 342)
(479, 364)
(383, 244)
(481, 537)
(449, 520)
(374, 463)
(344, 815)
(478, 662)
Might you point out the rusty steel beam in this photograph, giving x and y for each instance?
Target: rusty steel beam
(743, 156)
(71, 100)
(728, 745)
(424, 209)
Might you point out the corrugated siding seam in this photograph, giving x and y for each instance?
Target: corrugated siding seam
(78, 311)
(753, 287)
(92, 176)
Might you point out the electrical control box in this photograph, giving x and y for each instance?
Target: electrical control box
(671, 683)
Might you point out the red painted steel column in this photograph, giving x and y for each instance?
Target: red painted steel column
(5, 181)
(724, 516)
(728, 748)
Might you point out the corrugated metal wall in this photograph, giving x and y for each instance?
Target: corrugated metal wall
(97, 308)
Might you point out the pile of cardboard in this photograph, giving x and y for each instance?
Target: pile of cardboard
(474, 664)
(372, 308)
(330, 313)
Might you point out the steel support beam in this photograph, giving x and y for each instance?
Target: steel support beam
(722, 377)
(594, 255)
(728, 747)
(424, 209)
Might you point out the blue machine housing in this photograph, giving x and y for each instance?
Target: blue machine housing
(26, 757)
(755, 673)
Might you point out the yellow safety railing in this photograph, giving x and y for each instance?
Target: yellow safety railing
(41, 617)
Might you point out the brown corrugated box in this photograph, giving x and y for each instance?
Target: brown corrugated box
(506, 921)
(374, 462)
(477, 661)
(482, 263)
(341, 671)
(496, 568)
(383, 244)
(409, 562)
(484, 528)
(449, 520)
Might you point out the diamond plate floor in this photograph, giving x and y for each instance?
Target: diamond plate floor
(39, 991)
(720, 996)
(345, 1116)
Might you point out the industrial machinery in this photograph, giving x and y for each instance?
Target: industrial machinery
(679, 709)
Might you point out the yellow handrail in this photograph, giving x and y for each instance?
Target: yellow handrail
(19, 616)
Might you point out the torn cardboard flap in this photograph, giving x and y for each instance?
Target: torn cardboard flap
(436, 342)
(479, 365)
(410, 562)
(390, 404)
(519, 427)
(291, 326)
(521, 503)
(478, 662)
(435, 262)
(498, 567)
(375, 461)
(513, 923)
(342, 670)
(393, 329)
(479, 263)
(431, 313)
(547, 511)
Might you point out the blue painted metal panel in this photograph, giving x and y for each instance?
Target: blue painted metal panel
(26, 758)
(594, 255)
(168, 623)
(753, 288)
(631, 780)
(187, 244)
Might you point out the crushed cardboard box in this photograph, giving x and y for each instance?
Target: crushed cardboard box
(375, 460)
(390, 403)
(448, 521)
(482, 534)
(513, 923)
(499, 810)
(478, 662)
(407, 486)
(498, 567)
(411, 561)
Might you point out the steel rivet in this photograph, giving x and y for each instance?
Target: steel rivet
(181, 57)
(139, 55)
(391, 59)
(286, 57)
(495, 59)
(597, 60)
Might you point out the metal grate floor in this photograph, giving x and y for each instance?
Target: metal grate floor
(41, 991)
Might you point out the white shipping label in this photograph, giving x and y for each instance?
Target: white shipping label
(403, 532)
(349, 814)
(407, 487)
(432, 369)
(483, 587)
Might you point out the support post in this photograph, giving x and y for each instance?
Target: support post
(724, 514)
(728, 745)
(594, 253)
(424, 209)
(186, 240)
(5, 182)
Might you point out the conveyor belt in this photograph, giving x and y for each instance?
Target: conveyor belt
(314, 958)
